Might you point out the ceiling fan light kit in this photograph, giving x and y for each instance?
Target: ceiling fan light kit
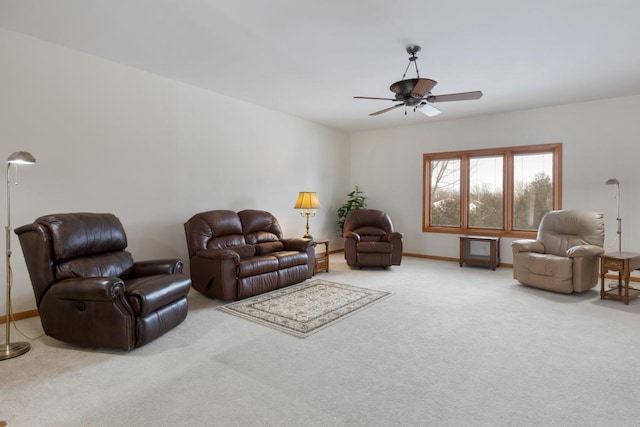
(416, 93)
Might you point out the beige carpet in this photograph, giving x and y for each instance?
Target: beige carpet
(306, 308)
(451, 347)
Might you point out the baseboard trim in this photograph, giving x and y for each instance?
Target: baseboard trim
(19, 316)
(34, 313)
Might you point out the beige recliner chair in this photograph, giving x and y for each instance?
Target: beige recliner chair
(565, 255)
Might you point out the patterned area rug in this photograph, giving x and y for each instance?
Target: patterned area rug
(306, 308)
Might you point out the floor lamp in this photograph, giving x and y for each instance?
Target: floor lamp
(308, 202)
(616, 182)
(10, 349)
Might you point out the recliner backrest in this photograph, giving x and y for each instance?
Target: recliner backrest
(368, 222)
(562, 229)
(87, 245)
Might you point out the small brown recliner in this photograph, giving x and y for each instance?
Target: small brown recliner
(370, 240)
(88, 289)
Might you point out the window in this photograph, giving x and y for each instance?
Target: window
(500, 191)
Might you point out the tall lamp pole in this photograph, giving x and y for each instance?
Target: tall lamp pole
(9, 349)
(616, 182)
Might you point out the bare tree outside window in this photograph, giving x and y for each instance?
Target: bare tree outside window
(445, 193)
(486, 197)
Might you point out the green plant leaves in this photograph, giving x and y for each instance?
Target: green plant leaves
(356, 201)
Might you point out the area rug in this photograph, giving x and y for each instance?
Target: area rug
(304, 309)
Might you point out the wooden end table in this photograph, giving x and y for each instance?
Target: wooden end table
(321, 263)
(624, 263)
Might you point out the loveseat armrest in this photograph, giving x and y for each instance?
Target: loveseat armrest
(88, 289)
(527, 245)
(157, 266)
(214, 273)
(585, 251)
(394, 235)
(297, 244)
(219, 254)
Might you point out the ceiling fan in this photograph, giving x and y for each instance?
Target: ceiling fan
(416, 92)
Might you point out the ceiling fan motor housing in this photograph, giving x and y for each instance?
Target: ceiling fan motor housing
(404, 90)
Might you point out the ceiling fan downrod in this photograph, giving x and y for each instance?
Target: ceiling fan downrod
(412, 50)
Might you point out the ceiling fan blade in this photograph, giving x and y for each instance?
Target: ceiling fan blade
(386, 109)
(423, 87)
(371, 97)
(463, 96)
(428, 109)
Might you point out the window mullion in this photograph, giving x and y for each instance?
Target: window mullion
(464, 192)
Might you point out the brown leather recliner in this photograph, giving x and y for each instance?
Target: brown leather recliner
(370, 239)
(237, 255)
(88, 289)
(565, 255)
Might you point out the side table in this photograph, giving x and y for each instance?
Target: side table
(624, 263)
(321, 263)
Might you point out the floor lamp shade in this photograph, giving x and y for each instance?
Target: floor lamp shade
(9, 349)
(308, 202)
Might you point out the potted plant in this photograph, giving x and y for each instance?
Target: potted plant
(356, 201)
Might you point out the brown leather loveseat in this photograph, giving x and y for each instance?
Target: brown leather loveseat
(237, 255)
(88, 289)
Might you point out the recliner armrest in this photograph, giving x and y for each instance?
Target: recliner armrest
(351, 235)
(157, 266)
(88, 289)
(527, 245)
(395, 235)
(296, 244)
(584, 251)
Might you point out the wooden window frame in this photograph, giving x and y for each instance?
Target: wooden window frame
(508, 153)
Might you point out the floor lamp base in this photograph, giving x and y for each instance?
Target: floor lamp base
(13, 349)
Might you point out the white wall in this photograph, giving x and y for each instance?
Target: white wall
(109, 138)
(600, 141)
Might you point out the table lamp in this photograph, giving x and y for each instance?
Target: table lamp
(308, 203)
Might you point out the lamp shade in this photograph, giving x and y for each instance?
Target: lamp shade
(307, 200)
(22, 158)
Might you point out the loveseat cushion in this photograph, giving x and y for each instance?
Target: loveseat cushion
(217, 229)
(288, 259)
(259, 226)
(268, 247)
(243, 250)
(256, 265)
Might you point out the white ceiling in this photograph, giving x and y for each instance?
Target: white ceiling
(309, 58)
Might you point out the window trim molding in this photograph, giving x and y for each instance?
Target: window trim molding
(508, 153)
